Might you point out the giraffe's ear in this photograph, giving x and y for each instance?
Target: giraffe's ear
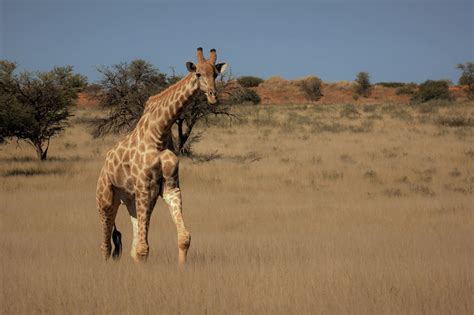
(191, 66)
(220, 67)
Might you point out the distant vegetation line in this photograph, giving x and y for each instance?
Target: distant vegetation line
(35, 106)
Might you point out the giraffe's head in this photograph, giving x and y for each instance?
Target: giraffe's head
(206, 72)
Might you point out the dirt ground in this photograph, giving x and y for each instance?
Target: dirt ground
(334, 209)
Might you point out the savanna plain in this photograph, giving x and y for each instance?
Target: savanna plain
(331, 209)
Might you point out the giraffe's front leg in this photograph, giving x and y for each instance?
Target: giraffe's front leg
(172, 196)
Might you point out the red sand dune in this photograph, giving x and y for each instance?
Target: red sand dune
(279, 91)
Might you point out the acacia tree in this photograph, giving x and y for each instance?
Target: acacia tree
(467, 77)
(126, 87)
(363, 86)
(124, 90)
(34, 107)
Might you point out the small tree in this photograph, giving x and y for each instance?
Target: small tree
(363, 86)
(34, 107)
(311, 87)
(467, 77)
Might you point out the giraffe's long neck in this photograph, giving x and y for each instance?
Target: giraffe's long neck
(162, 110)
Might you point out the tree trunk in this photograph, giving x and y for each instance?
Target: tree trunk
(40, 153)
(182, 137)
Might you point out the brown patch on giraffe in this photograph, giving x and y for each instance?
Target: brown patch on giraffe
(133, 140)
(141, 134)
(120, 151)
(120, 174)
(134, 170)
(126, 156)
(129, 183)
(138, 159)
(149, 158)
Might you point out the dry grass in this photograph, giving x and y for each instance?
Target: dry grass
(301, 209)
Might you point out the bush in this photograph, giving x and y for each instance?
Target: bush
(249, 81)
(244, 95)
(432, 90)
(407, 89)
(363, 87)
(311, 87)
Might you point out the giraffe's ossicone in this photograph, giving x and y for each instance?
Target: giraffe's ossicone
(142, 166)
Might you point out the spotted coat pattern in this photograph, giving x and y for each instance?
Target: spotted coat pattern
(141, 167)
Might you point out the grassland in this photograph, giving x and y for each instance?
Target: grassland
(336, 209)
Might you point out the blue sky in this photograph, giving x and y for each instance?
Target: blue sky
(392, 40)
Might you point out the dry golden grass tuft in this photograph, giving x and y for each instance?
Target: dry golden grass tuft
(294, 209)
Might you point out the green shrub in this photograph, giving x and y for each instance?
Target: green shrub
(249, 81)
(432, 90)
(363, 86)
(311, 87)
(244, 95)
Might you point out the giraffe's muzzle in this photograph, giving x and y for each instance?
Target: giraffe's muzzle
(211, 97)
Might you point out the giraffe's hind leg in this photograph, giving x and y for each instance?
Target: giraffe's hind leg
(107, 206)
(172, 196)
(132, 211)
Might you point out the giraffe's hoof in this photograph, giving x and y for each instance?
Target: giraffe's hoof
(140, 258)
(142, 253)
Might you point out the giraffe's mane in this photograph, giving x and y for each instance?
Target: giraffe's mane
(155, 98)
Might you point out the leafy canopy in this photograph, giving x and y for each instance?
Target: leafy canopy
(34, 107)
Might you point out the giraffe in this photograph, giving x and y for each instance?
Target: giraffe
(142, 167)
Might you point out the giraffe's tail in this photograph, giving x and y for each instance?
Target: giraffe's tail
(117, 239)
